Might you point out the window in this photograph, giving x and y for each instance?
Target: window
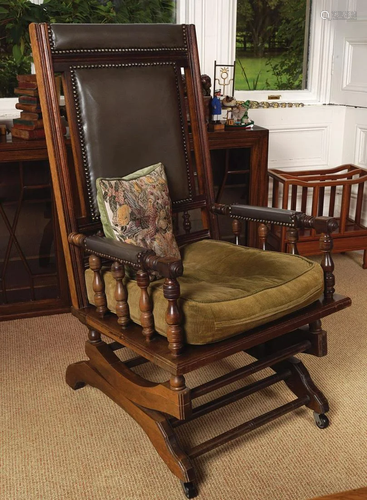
(216, 31)
(313, 83)
(272, 39)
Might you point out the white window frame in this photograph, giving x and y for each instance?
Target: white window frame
(215, 22)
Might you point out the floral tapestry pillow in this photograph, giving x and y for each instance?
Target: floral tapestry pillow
(137, 209)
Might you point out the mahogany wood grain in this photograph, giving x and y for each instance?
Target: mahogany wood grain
(95, 264)
(137, 389)
(145, 305)
(246, 427)
(233, 396)
(194, 357)
(154, 424)
(122, 307)
(175, 334)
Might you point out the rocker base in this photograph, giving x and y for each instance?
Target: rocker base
(100, 372)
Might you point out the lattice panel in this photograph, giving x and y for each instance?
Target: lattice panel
(28, 261)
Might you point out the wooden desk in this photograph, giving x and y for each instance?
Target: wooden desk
(32, 270)
(248, 151)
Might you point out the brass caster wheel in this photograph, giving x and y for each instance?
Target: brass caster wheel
(321, 420)
(189, 489)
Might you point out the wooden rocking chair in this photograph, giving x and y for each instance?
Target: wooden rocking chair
(131, 128)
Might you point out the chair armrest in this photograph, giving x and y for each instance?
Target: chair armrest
(279, 216)
(125, 253)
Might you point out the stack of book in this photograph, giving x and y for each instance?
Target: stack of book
(30, 124)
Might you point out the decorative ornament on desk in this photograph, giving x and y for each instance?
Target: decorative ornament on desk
(216, 108)
(266, 104)
(237, 114)
(224, 77)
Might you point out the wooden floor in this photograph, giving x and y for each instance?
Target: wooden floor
(360, 494)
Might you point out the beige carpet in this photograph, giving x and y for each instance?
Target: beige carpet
(57, 444)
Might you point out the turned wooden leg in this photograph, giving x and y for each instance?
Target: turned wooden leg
(292, 240)
(146, 306)
(262, 233)
(327, 264)
(94, 336)
(171, 292)
(236, 229)
(100, 300)
(75, 372)
(177, 383)
(122, 307)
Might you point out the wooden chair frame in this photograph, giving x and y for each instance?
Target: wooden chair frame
(161, 408)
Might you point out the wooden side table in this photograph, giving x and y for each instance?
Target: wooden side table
(32, 270)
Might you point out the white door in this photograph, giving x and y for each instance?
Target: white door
(349, 77)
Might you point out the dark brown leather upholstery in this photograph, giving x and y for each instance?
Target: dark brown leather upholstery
(112, 97)
(117, 36)
(112, 103)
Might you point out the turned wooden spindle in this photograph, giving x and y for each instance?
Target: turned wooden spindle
(177, 383)
(100, 300)
(171, 291)
(236, 229)
(76, 239)
(291, 239)
(146, 306)
(327, 264)
(262, 232)
(122, 308)
(94, 337)
(186, 222)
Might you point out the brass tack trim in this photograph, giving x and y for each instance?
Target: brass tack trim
(114, 49)
(262, 221)
(116, 259)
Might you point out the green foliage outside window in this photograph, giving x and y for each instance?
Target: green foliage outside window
(271, 36)
(16, 15)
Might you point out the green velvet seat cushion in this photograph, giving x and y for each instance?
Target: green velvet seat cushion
(227, 289)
